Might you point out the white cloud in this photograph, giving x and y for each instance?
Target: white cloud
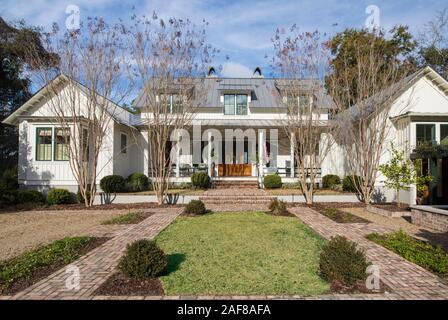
(235, 70)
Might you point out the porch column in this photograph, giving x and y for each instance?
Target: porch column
(178, 155)
(209, 154)
(261, 143)
(293, 145)
(412, 138)
(146, 153)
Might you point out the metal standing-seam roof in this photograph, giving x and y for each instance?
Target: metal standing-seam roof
(264, 92)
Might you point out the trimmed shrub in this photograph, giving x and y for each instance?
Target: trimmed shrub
(9, 197)
(8, 180)
(80, 198)
(30, 196)
(272, 181)
(330, 181)
(200, 180)
(278, 208)
(195, 207)
(58, 196)
(138, 182)
(12, 197)
(341, 262)
(113, 184)
(143, 259)
(350, 183)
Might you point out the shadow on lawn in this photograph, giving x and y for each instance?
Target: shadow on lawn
(174, 261)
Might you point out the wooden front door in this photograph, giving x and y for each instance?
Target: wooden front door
(234, 170)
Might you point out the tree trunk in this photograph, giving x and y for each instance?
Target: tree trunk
(398, 198)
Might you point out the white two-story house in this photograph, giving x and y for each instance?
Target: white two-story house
(238, 133)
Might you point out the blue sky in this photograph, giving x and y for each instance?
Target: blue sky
(240, 29)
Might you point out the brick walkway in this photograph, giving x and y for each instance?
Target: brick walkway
(98, 265)
(406, 280)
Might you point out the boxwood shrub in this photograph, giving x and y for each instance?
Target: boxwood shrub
(330, 181)
(341, 262)
(138, 182)
(30, 196)
(143, 259)
(272, 181)
(351, 183)
(113, 184)
(80, 198)
(58, 196)
(195, 207)
(200, 180)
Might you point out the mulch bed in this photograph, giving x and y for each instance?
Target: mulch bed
(120, 285)
(73, 207)
(45, 271)
(393, 207)
(332, 211)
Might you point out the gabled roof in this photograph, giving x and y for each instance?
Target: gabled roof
(392, 92)
(124, 118)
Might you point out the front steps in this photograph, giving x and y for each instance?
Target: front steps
(227, 184)
(236, 199)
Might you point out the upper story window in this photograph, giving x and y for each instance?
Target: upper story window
(43, 144)
(61, 144)
(172, 102)
(426, 133)
(235, 104)
(124, 143)
(300, 103)
(304, 101)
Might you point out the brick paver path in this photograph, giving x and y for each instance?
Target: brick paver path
(96, 266)
(406, 280)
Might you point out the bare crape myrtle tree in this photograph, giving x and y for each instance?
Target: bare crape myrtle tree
(301, 62)
(170, 59)
(366, 95)
(80, 87)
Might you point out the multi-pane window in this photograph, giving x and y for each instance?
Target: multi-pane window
(124, 143)
(235, 104)
(444, 134)
(292, 104)
(61, 144)
(173, 103)
(426, 133)
(43, 144)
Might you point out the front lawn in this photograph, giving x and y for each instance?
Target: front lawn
(243, 254)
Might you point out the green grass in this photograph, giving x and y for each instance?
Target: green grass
(432, 258)
(241, 253)
(128, 218)
(23, 267)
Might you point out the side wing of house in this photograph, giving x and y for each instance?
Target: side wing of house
(42, 163)
(419, 115)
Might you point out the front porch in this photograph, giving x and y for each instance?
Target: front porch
(232, 154)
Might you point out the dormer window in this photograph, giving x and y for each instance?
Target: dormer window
(235, 104)
(172, 103)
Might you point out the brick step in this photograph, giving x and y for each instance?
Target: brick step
(235, 184)
(236, 202)
(236, 198)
